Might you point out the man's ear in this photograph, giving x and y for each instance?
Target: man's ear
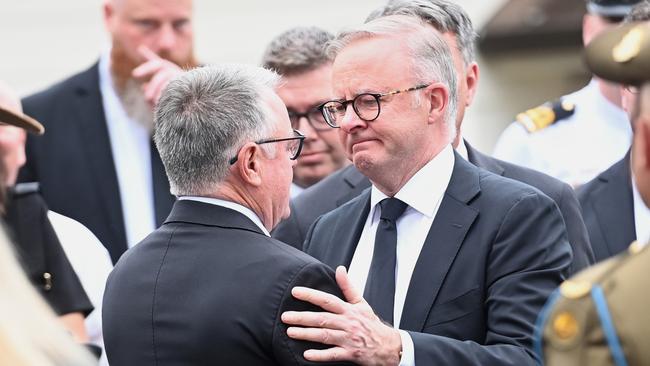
(249, 164)
(108, 10)
(438, 95)
(471, 79)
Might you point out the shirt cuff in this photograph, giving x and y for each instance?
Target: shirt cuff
(408, 350)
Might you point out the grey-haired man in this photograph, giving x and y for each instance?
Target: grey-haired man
(207, 287)
(454, 23)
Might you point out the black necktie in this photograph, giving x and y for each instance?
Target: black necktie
(380, 286)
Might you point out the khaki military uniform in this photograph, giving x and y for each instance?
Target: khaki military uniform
(602, 315)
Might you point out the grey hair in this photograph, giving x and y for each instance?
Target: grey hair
(430, 56)
(297, 50)
(443, 15)
(202, 119)
(640, 13)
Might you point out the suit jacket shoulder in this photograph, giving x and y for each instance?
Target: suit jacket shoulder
(218, 286)
(561, 193)
(45, 101)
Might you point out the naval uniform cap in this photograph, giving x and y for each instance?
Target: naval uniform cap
(621, 54)
(611, 8)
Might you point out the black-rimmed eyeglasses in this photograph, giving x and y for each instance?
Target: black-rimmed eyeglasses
(314, 117)
(366, 105)
(294, 146)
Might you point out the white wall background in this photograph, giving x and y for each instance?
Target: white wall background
(44, 41)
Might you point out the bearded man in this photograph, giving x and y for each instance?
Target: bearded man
(98, 164)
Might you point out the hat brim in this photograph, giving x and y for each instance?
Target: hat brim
(20, 120)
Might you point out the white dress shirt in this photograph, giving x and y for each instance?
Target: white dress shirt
(641, 216)
(91, 263)
(575, 149)
(412, 229)
(231, 205)
(130, 145)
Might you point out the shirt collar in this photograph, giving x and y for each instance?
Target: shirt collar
(423, 191)
(231, 205)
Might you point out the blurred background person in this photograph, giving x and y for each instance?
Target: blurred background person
(600, 317)
(36, 244)
(25, 214)
(298, 55)
(581, 134)
(31, 222)
(612, 207)
(97, 164)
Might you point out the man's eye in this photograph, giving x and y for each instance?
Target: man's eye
(146, 23)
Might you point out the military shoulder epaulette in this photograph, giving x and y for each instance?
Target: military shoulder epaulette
(25, 188)
(545, 115)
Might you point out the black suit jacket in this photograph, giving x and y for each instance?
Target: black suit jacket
(207, 288)
(74, 164)
(608, 209)
(495, 251)
(348, 183)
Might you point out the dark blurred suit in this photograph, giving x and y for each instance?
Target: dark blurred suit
(73, 161)
(348, 183)
(608, 210)
(207, 288)
(495, 251)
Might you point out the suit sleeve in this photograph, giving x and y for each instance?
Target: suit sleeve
(288, 351)
(529, 257)
(583, 255)
(288, 231)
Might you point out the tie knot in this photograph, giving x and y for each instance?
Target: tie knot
(392, 209)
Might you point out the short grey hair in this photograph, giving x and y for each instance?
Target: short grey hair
(640, 13)
(430, 56)
(443, 15)
(202, 119)
(297, 50)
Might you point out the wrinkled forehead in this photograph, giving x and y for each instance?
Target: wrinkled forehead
(371, 64)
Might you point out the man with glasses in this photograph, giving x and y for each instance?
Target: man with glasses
(299, 56)
(448, 264)
(207, 287)
(578, 136)
(454, 23)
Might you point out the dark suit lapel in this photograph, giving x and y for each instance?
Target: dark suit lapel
(162, 199)
(346, 232)
(452, 221)
(483, 161)
(614, 207)
(96, 146)
(357, 182)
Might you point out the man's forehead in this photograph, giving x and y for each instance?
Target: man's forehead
(136, 7)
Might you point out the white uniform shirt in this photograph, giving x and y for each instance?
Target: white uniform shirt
(130, 146)
(575, 149)
(412, 229)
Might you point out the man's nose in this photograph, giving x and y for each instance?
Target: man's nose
(166, 38)
(350, 120)
(307, 129)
